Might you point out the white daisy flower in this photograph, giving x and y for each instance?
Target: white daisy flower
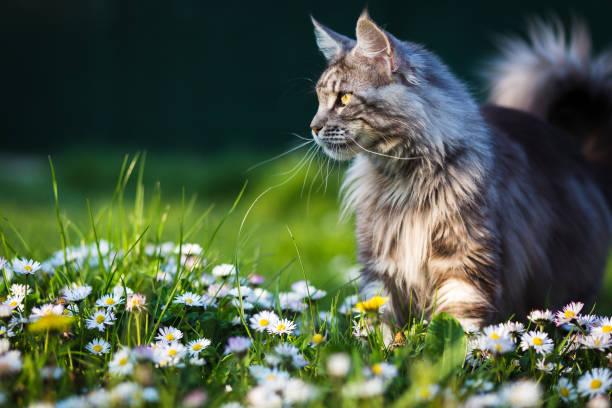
(223, 270)
(428, 392)
(594, 382)
(120, 291)
(135, 302)
(71, 310)
(189, 249)
(20, 290)
(109, 301)
(122, 363)
(14, 302)
(100, 319)
(500, 345)
(291, 301)
(587, 321)
(189, 299)
(568, 313)
(383, 370)
(541, 317)
(169, 334)
(5, 311)
(194, 347)
(297, 392)
(338, 364)
(348, 304)
(237, 345)
(263, 320)
(542, 365)
(496, 332)
(281, 326)
(46, 310)
(515, 329)
(98, 346)
(603, 326)
(596, 341)
(566, 390)
(523, 393)
(304, 289)
(25, 266)
(197, 361)
(10, 362)
(76, 293)
(170, 354)
(538, 341)
(286, 350)
(5, 331)
(246, 305)
(264, 374)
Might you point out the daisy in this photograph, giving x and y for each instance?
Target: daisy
(594, 382)
(264, 374)
(169, 334)
(543, 366)
(5, 311)
(170, 354)
(338, 364)
(20, 290)
(496, 332)
(189, 249)
(384, 370)
(587, 321)
(281, 326)
(10, 362)
(515, 328)
(109, 301)
(523, 393)
(4, 331)
(568, 313)
(14, 302)
(501, 345)
(538, 341)
(25, 266)
(596, 341)
(603, 326)
(223, 270)
(566, 390)
(541, 317)
(286, 350)
(194, 347)
(263, 320)
(71, 310)
(348, 304)
(135, 302)
(297, 392)
(76, 293)
(119, 291)
(291, 301)
(237, 345)
(46, 310)
(98, 347)
(189, 299)
(100, 319)
(122, 363)
(305, 290)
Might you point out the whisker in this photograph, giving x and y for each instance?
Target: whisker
(301, 137)
(278, 156)
(303, 159)
(382, 154)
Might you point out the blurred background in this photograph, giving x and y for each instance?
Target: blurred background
(207, 90)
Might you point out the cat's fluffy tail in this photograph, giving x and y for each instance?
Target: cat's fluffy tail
(557, 79)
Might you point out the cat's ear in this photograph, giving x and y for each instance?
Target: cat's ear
(331, 44)
(373, 42)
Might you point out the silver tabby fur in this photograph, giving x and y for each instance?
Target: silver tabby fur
(481, 212)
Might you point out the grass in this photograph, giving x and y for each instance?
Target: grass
(112, 229)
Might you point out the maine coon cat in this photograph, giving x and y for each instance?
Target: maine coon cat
(481, 212)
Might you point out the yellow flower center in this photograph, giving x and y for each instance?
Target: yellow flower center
(606, 329)
(66, 312)
(169, 336)
(264, 322)
(28, 268)
(565, 392)
(100, 319)
(497, 347)
(281, 327)
(123, 361)
(495, 336)
(425, 393)
(270, 377)
(569, 314)
(197, 347)
(377, 369)
(172, 352)
(13, 303)
(2, 331)
(596, 341)
(97, 348)
(537, 341)
(595, 384)
(317, 338)
(110, 301)
(190, 301)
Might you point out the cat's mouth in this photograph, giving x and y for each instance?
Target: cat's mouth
(339, 148)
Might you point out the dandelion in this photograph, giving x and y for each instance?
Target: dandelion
(538, 341)
(338, 364)
(194, 347)
(98, 347)
(263, 320)
(568, 313)
(566, 390)
(169, 334)
(135, 302)
(25, 266)
(594, 382)
(189, 299)
(371, 305)
(237, 345)
(76, 293)
(109, 301)
(281, 326)
(122, 363)
(317, 339)
(223, 270)
(100, 319)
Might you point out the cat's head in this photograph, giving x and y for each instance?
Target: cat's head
(378, 94)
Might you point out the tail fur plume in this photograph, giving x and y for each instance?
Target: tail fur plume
(556, 78)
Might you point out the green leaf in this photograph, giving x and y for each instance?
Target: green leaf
(445, 343)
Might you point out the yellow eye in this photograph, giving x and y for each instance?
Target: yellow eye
(345, 98)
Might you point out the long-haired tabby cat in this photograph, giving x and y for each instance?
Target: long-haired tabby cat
(480, 212)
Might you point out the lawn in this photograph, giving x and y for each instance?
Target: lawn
(172, 281)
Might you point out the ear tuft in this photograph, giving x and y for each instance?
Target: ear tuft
(331, 44)
(371, 39)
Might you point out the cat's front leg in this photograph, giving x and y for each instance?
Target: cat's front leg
(470, 303)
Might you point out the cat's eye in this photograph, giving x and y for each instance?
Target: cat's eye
(345, 98)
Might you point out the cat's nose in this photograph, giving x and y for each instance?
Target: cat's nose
(315, 129)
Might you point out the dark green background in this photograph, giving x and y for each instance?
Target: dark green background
(201, 76)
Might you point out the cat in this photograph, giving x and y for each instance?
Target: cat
(478, 211)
